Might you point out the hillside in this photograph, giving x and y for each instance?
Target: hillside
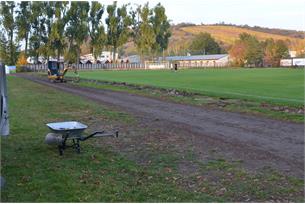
(225, 35)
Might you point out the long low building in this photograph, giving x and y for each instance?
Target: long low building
(218, 60)
(293, 62)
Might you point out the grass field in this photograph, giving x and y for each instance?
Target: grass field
(34, 172)
(282, 86)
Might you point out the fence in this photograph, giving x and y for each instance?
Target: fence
(129, 66)
(122, 66)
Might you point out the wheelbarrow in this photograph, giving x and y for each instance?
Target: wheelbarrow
(71, 130)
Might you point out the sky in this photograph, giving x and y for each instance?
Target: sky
(287, 14)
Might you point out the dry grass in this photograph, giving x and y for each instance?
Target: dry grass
(228, 34)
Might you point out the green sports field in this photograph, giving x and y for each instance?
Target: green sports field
(279, 85)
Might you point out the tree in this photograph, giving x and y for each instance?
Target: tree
(23, 23)
(10, 54)
(39, 35)
(56, 40)
(144, 36)
(77, 26)
(204, 43)
(4, 54)
(274, 51)
(21, 62)
(161, 28)
(96, 29)
(254, 52)
(118, 22)
(247, 50)
(238, 53)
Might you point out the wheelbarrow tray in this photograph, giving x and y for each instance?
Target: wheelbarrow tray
(71, 128)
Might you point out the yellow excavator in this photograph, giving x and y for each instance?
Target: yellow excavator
(57, 72)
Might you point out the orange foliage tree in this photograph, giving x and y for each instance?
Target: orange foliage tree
(238, 53)
(21, 62)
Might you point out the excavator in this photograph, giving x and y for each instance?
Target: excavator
(58, 70)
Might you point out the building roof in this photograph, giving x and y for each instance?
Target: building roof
(196, 57)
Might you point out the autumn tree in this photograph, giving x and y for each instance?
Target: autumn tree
(204, 43)
(238, 54)
(247, 50)
(274, 51)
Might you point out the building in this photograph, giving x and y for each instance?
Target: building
(105, 57)
(293, 62)
(292, 53)
(218, 60)
(134, 59)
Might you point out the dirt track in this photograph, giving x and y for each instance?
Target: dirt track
(256, 141)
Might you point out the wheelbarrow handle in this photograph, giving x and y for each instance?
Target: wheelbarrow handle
(101, 134)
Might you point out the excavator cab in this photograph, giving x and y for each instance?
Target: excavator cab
(54, 71)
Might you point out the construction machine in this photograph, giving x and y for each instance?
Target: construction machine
(58, 70)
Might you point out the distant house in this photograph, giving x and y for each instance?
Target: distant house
(293, 62)
(218, 60)
(104, 57)
(292, 53)
(33, 60)
(133, 59)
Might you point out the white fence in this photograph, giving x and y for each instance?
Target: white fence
(122, 66)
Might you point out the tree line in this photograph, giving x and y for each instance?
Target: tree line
(247, 50)
(54, 29)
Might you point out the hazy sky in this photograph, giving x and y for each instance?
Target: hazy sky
(289, 14)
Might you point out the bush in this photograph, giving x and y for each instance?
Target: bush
(20, 67)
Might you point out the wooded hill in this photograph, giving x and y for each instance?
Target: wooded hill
(225, 35)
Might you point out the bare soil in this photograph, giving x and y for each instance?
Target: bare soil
(203, 134)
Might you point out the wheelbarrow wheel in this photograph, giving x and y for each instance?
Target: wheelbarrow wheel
(77, 149)
(61, 151)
